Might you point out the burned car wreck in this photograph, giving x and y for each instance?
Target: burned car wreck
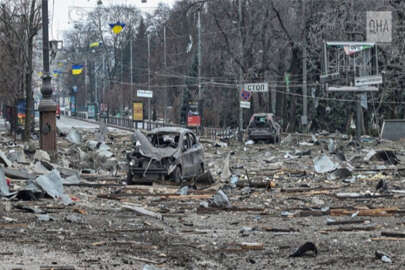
(165, 153)
(263, 127)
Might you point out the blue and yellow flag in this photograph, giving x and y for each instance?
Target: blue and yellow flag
(117, 27)
(77, 69)
(56, 73)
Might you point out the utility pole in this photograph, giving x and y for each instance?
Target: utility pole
(95, 91)
(130, 68)
(304, 119)
(85, 81)
(200, 102)
(359, 110)
(122, 81)
(47, 107)
(165, 66)
(241, 70)
(149, 80)
(103, 89)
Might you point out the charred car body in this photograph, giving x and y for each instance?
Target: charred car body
(263, 127)
(165, 153)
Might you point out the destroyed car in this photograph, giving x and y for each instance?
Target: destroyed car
(165, 153)
(263, 127)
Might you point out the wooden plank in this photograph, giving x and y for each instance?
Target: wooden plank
(251, 246)
(163, 195)
(12, 225)
(57, 267)
(190, 197)
(142, 211)
(352, 228)
(387, 239)
(378, 212)
(393, 234)
(345, 222)
(286, 230)
(294, 190)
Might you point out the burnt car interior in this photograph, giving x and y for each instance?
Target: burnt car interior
(260, 122)
(189, 141)
(163, 140)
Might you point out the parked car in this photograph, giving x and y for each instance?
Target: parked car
(263, 127)
(169, 153)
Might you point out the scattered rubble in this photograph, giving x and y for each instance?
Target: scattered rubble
(253, 205)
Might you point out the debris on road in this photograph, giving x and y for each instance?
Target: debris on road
(304, 249)
(383, 256)
(257, 201)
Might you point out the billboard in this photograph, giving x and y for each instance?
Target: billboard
(91, 110)
(21, 111)
(137, 111)
(73, 104)
(193, 121)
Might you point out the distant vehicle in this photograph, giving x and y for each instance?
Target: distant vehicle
(166, 153)
(58, 111)
(263, 127)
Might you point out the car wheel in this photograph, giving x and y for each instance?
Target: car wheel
(129, 179)
(178, 176)
(201, 169)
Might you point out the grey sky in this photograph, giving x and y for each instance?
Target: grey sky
(62, 8)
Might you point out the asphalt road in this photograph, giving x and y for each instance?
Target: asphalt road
(66, 122)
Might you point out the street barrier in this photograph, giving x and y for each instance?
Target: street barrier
(127, 123)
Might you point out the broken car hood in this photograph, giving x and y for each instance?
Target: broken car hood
(148, 150)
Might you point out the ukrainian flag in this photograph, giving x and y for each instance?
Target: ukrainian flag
(56, 73)
(117, 27)
(77, 69)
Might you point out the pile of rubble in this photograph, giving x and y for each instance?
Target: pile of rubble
(312, 201)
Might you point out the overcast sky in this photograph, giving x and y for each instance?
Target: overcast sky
(62, 8)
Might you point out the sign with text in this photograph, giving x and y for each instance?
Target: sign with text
(245, 104)
(193, 121)
(256, 87)
(325, 78)
(137, 111)
(364, 88)
(91, 110)
(368, 80)
(379, 26)
(144, 93)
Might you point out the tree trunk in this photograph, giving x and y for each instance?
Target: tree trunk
(294, 70)
(29, 93)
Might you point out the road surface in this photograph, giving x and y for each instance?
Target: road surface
(67, 122)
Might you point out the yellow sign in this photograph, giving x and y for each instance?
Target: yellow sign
(137, 110)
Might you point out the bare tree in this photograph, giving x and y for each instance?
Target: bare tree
(22, 20)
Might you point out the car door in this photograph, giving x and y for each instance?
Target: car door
(196, 153)
(186, 157)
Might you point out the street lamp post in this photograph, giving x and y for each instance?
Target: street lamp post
(47, 107)
(149, 112)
